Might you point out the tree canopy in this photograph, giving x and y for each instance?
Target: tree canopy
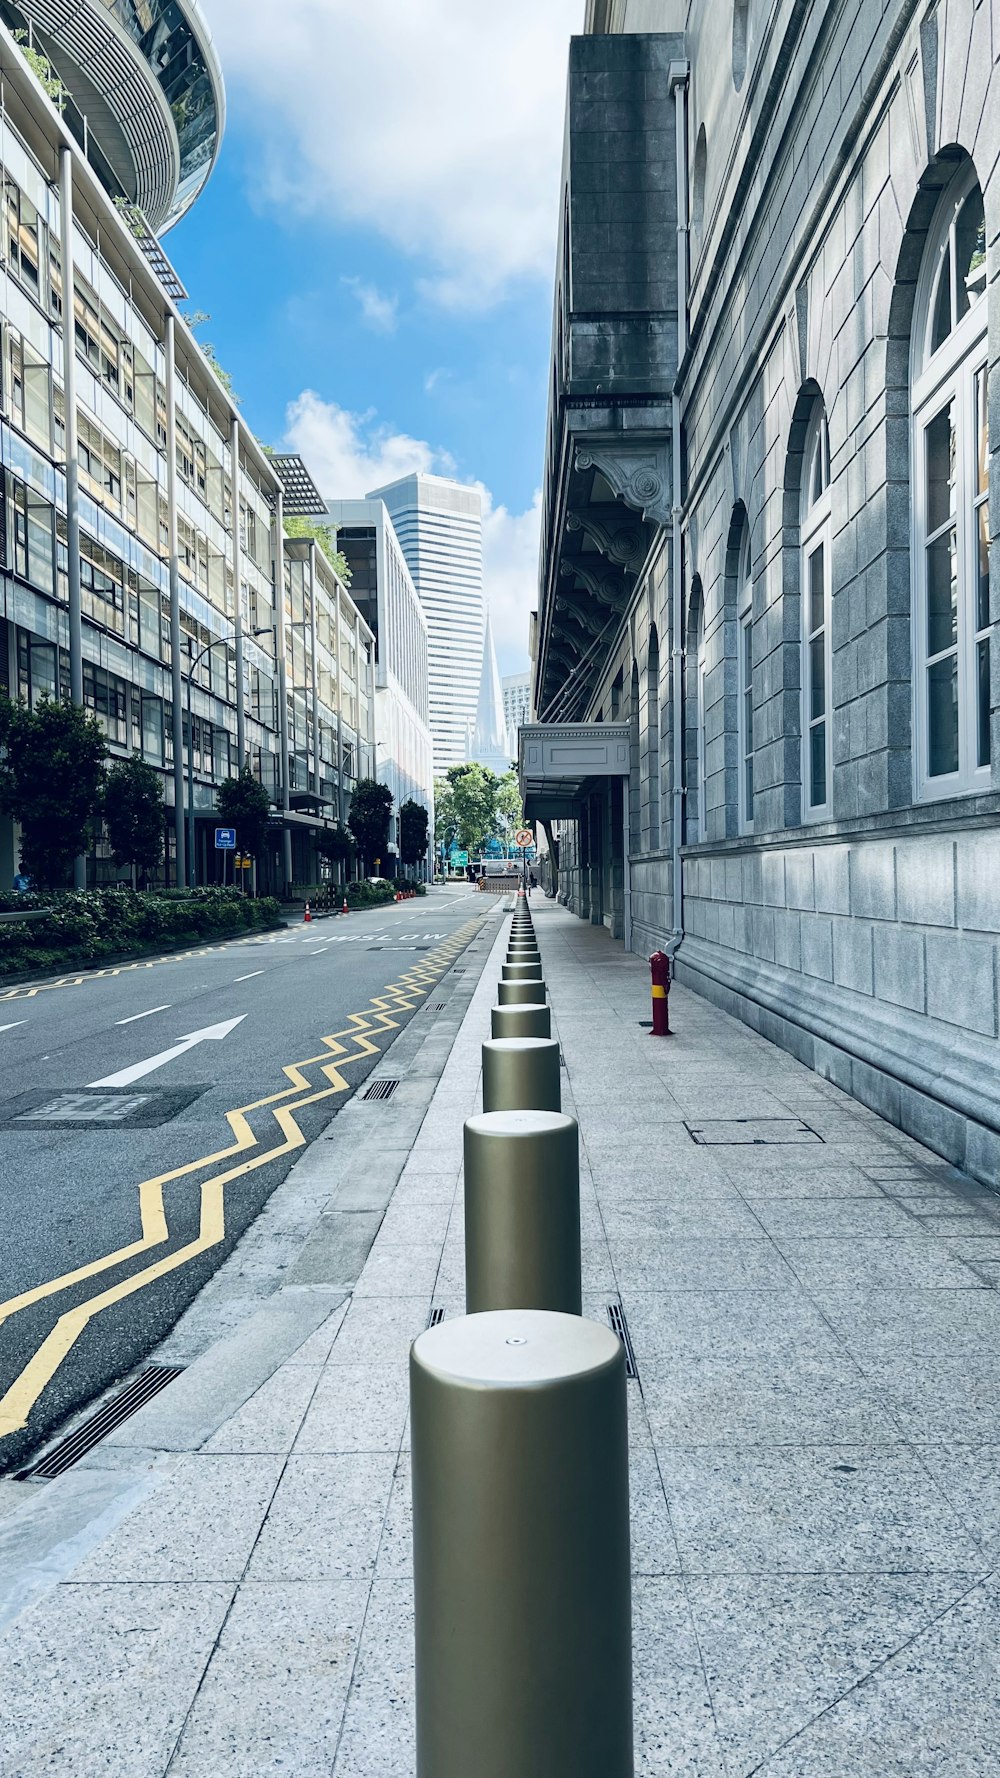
(414, 822)
(51, 780)
(371, 810)
(481, 806)
(243, 803)
(133, 814)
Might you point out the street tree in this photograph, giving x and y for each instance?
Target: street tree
(509, 809)
(474, 797)
(51, 779)
(243, 803)
(368, 820)
(336, 843)
(414, 822)
(133, 815)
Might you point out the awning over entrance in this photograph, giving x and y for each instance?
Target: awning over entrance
(557, 760)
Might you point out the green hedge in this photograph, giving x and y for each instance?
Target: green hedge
(102, 923)
(366, 894)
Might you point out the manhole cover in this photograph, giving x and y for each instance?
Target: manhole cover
(751, 1131)
(95, 1108)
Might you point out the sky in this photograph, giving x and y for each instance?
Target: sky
(376, 247)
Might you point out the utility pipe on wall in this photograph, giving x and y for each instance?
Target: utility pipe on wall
(678, 82)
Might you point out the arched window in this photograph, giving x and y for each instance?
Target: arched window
(951, 501)
(815, 539)
(744, 614)
(694, 716)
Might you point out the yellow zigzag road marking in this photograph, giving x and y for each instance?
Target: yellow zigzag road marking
(401, 996)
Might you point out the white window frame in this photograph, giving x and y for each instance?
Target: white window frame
(744, 711)
(938, 380)
(816, 535)
(700, 738)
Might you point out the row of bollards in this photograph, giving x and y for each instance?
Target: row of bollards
(520, 1448)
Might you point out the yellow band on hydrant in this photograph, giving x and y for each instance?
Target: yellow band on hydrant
(659, 993)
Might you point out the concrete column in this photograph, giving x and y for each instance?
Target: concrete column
(72, 458)
(313, 666)
(176, 676)
(241, 719)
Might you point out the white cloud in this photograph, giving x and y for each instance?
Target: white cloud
(438, 124)
(377, 311)
(348, 454)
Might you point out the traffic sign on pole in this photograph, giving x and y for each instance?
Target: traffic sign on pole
(524, 836)
(225, 839)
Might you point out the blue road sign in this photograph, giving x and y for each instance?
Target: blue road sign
(225, 839)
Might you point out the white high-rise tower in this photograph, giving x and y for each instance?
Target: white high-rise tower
(439, 524)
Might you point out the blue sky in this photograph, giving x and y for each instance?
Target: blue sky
(375, 247)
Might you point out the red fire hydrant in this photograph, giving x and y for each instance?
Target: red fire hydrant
(659, 965)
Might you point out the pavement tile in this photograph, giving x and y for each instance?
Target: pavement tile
(395, 1552)
(667, 1326)
(767, 1181)
(822, 1509)
(891, 1262)
(317, 1348)
(802, 1218)
(272, 1700)
(969, 1478)
(711, 1219)
(698, 1264)
(269, 1421)
(675, 1729)
(95, 1681)
(942, 1396)
(931, 1712)
(378, 1330)
(325, 1520)
(360, 1407)
(378, 1738)
(393, 1270)
(778, 1653)
(795, 1397)
(200, 1524)
(894, 1323)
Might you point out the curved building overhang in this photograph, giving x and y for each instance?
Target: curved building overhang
(145, 76)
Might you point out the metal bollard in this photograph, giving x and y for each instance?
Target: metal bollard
(522, 972)
(522, 1212)
(526, 948)
(659, 965)
(521, 1021)
(521, 993)
(521, 1074)
(521, 1548)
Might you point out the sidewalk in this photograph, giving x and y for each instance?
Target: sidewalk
(815, 1434)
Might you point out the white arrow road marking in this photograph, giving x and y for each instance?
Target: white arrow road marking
(13, 1027)
(143, 1015)
(248, 978)
(211, 1034)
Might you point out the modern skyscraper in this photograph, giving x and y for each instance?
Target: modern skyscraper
(439, 524)
(516, 699)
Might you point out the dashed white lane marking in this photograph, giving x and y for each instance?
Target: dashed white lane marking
(248, 978)
(143, 1015)
(13, 1025)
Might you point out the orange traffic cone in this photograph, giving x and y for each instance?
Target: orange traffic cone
(308, 916)
(345, 909)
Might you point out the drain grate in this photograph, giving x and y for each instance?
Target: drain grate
(113, 1413)
(647, 1024)
(435, 1317)
(380, 1089)
(619, 1325)
(439, 1006)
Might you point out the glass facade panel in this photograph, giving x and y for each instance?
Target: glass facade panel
(942, 595)
(942, 714)
(939, 440)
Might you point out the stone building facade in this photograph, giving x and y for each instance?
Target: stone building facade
(813, 700)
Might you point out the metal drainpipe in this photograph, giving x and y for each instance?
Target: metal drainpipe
(241, 717)
(176, 678)
(678, 83)
(72, 455)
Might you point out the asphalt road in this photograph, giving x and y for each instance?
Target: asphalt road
(123, 1182)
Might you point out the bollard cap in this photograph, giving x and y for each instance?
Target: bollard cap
(516, 1349)
(518, 1044)
(516, 1125)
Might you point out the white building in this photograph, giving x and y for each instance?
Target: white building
(383, 590)
(439, 524)
(516, 699)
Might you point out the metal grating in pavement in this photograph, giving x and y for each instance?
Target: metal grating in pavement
(751, 1132)
(435, 1317)
(619, 1325)
(110, 1415)
(380, 1089)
